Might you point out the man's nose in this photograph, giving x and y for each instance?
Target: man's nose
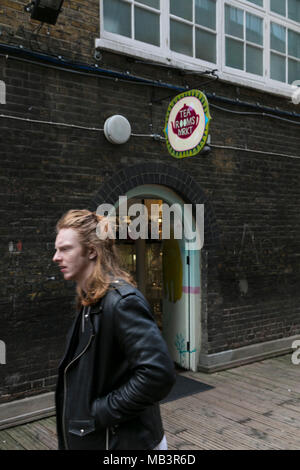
(56, 257)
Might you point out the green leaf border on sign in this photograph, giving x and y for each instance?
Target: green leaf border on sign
(194, 151)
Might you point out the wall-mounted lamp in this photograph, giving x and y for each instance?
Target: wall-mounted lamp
(117, 129)
(45, 11)
(207, 148)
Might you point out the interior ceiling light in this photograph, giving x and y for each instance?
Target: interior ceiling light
(45, 11)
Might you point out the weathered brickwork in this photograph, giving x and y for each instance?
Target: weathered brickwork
(72, 36)
(251, 258)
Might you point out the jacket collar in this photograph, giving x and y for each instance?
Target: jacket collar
(96, 308)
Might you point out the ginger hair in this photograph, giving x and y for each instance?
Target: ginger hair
(107, 265)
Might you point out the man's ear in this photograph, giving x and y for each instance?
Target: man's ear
(92, 253)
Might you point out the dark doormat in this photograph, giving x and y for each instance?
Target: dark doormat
(184, 387)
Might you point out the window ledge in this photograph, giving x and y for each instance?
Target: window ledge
(150, 53)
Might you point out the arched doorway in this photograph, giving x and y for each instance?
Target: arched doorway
(182, 301)
(181, 290)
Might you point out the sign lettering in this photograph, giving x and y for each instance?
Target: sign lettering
(187, 124)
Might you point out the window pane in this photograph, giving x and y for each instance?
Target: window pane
(234, 54)
(147, 28)
(254, 29)
(151, 3)
(183, 9)
(205, 11)
(294, 70)
(205, 45)
(278, 6)
(117, 17)
(294, 10)
(294, 44)
(234, 21)
(254, 60)
(278, 37)
(181, 38)
(257, 2)
(278, 67)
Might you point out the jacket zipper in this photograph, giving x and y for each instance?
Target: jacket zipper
(65, 388)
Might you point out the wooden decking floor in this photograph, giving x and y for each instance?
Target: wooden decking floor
(251, 407)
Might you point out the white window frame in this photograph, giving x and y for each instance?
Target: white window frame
(230, 71)
(281, 22)
(285, 18)
(164, 55)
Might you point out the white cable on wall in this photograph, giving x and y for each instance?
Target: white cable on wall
(154, 136)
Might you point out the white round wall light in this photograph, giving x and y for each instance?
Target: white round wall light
(117, 129)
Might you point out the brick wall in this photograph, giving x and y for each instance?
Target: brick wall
(72, 36)
(250, 277)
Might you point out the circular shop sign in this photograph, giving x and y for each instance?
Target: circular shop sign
(187, 124)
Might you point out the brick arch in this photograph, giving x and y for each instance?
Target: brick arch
(158, 173)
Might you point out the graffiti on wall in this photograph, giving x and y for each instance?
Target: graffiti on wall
(263, 258)
(181, 346)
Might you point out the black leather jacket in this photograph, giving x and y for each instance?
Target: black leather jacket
(115, 370)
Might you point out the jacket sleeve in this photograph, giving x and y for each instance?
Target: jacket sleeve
(152, 372)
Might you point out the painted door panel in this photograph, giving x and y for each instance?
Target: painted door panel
(176, 327)
(194, 308)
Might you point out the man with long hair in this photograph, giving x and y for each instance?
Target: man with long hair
(116, 367)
